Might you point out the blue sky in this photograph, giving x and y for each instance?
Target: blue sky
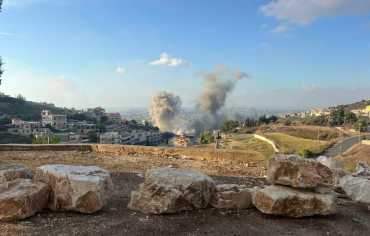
(119, 53)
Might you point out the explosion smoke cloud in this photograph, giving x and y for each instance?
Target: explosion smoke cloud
(164, 110)
(165, 107)
(217, 87)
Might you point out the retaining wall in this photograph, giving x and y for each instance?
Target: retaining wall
(114, 149)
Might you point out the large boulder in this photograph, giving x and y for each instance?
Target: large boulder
(286, 201)
(84, 189)
(357, 188)
(232, 196)
(298, 172)
(169, 190)
(22, 198)
(11, 172)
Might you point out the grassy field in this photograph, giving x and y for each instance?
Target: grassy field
(248, 142)
(306, 132)
(288, 144)
(350, 158)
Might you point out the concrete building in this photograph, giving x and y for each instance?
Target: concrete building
(82, 128)
(110, 138)
(362, 112)
(27, 128)
(54, 120)
(319, 112)
(114, 117)
(96, 113)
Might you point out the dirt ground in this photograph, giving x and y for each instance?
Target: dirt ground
(116, 219)
(359, 152)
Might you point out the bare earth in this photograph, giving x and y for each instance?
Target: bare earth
(116, 219)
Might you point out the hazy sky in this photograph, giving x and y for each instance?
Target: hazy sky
(118, 53)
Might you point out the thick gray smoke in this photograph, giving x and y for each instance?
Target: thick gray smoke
(165, 107)
(164, 110)
(217, 87)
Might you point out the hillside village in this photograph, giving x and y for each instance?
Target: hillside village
(95, 125)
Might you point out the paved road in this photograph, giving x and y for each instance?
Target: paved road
(344, 145)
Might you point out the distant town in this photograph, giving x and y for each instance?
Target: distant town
(95, 125)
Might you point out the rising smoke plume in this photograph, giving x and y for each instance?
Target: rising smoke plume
(165, 107)
(218, 85)
(164, 110)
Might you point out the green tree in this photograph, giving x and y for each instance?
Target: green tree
(21, 98)
(93, 137)
(46, 140)
(207, 138)
(350, 117)
(229, 125)
(361, 125)
(337, 116)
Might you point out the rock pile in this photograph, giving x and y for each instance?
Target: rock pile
(232, 196)
(85, 189)
(294, 191)
(168, 190)
(357, 186)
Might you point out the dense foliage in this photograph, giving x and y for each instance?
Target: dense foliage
(207, 138)
(361, 125)
(229, 125)
(45, 140)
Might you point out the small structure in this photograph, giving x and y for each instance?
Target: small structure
(110, 138)
(56, 121)
(183, 140)
(114, 118)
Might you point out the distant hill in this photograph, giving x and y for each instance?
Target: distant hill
(356, 106)
(17, 107)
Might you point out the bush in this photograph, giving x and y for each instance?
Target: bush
(207, 138)
(229, 125)
(45, 140)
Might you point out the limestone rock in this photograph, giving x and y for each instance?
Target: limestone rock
(169, 190)
(298, 172)
(362, 169)
(232, 196)
(22, 198)
(12, 172)
(357, 188)
(286, 201)
(84, 189)
(330, 162)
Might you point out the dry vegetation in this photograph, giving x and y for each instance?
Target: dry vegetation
(248, 142)
(357, 153)
(254, 166)
(306, 132)
(293, 145)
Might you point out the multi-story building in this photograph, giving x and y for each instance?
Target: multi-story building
(114, 117)
(81, 127)
(27, 128)
(110, 138)
(54, 120)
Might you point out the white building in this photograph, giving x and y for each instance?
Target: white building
(27, 128)
(56, 121)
